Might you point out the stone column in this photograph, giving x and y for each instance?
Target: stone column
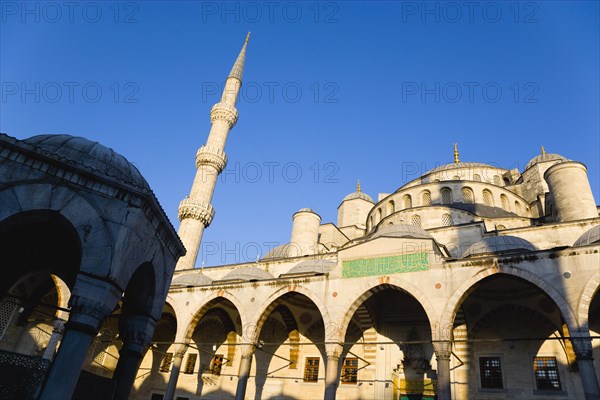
(136, 334)
(245, 365)
(332, 370)
(443, 351)
(582, 347)
(59, 327)
(175, 367)
(91, 302)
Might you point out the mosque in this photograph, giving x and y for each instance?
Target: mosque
(468, 282)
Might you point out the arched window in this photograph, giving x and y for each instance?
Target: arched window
(500, 227)
(407, 199)
(425, 198)
(378, 214)
(392, 206)
(446, 220)
(477, 177)
(416, 220)
(456, 178)
(446, 196)
(468, 195)
(488, 200)
(497, 180)
(506, 181)
(517, 207)
(504, 201)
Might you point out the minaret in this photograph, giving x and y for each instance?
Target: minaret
(195, 211)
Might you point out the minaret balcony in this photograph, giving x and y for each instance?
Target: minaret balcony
(209, 155)
(190, 208)
(224, 112)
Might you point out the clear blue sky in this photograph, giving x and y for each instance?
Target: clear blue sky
(336, 90)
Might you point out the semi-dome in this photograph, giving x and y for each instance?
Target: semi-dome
(311, 267)
(192, 280)
(247, 274)
(590, 237)
(92, 156)
(402, 231)
(498, 244)
(469, 165)
(544, 157)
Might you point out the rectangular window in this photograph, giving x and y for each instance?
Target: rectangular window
(491, 373)
(311, 369)
(165, 365)
(546, 373)
(190, 363)
(157, 396)
(215, 364)
(350, 371)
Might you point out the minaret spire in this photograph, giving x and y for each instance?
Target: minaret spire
(358, 186)
(456, 159)
(543, 150)
(195, 211)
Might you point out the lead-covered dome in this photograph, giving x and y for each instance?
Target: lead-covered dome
(192, 280)
(545, 157)
(590, 237)
(359, 195)
(92, 156)
(402, 231)
(498, 244)
(311, 267)
(469, 165)
(247, 274)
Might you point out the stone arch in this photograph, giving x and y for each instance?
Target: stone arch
(209, 303)
(139, 297)
(457, 298)
(370, 288)
(590, 289)
(96, 257)
(274, 300)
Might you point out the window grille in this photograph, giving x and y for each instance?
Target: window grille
(350, 371)
(491, 373)
(311, 369)
(546, 373)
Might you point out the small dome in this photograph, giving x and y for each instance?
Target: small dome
(305, 210)
(192, 280)
(248, 274)
(401, 231)
(469, 165)
(545, 158)
(312, 267)
(359, 195)
(282, 251)
(92, 156)
(590, 237)
(498, 244)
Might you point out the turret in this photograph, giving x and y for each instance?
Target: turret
(195, 211)
(571, 192)
(354, 209)
(305, 232)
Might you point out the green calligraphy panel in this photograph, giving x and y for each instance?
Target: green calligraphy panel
(385, 265)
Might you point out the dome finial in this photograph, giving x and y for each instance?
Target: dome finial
(543, 150)
(456, 159)
(358, 186)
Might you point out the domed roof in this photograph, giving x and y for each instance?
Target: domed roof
(401, 231)
(281, 251)
(92, 156)
(590, 237)
(498, 244)
(192, 280)
(469, 165)
(248, 274)
(359, 195)
(544, 157)
(315, 267)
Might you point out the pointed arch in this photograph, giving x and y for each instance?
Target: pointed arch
(208, 303)
(587, 295)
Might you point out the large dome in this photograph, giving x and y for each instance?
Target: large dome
(544, 158)
(498, 244)
(470, 165)
(92, 156)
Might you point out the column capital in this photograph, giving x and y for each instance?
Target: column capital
(136, 333)
(190, 208)
(334, 350)
(443, 349)
(582, 347)
(224, 112)
(87, 314)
